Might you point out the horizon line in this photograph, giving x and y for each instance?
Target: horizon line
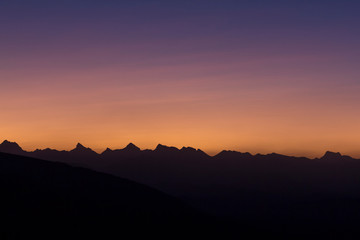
(169, 146)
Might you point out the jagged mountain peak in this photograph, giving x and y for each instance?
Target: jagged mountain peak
(331, 155)
(107, 151)
(131, 147)
(8, 143)
(162, 148)
(82, 149)
(11, 147)
(80, 146)
(188, 149)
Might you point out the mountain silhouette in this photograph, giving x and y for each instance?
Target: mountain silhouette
(233, 155)
(162, 149)
(332, 156)
(259, 191)
(128, 152)
(131, 148)
(80, 149)
(41, 199)
(10, 147)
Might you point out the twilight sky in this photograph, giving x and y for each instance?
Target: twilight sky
(258, 76)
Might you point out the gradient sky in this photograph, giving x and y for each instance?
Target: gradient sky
(258, 76)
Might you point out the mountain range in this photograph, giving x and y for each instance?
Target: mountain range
(132, 150)
(295, 196)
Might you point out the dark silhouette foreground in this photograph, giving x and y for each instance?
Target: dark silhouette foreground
(249, 196)
(46, 200)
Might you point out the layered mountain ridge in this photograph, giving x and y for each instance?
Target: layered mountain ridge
(14, 148)
(310, 197)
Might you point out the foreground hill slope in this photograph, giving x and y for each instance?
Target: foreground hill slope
(53, 200)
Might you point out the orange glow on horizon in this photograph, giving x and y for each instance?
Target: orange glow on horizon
(282, 119)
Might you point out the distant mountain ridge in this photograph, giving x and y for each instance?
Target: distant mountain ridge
(14, 148)
(302, 195)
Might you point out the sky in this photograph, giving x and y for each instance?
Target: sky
(251, 76)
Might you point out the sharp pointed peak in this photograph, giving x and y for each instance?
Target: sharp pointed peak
(80, 148)
(160, 145)
(132, 147)
(107, 150)
(79, 145)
